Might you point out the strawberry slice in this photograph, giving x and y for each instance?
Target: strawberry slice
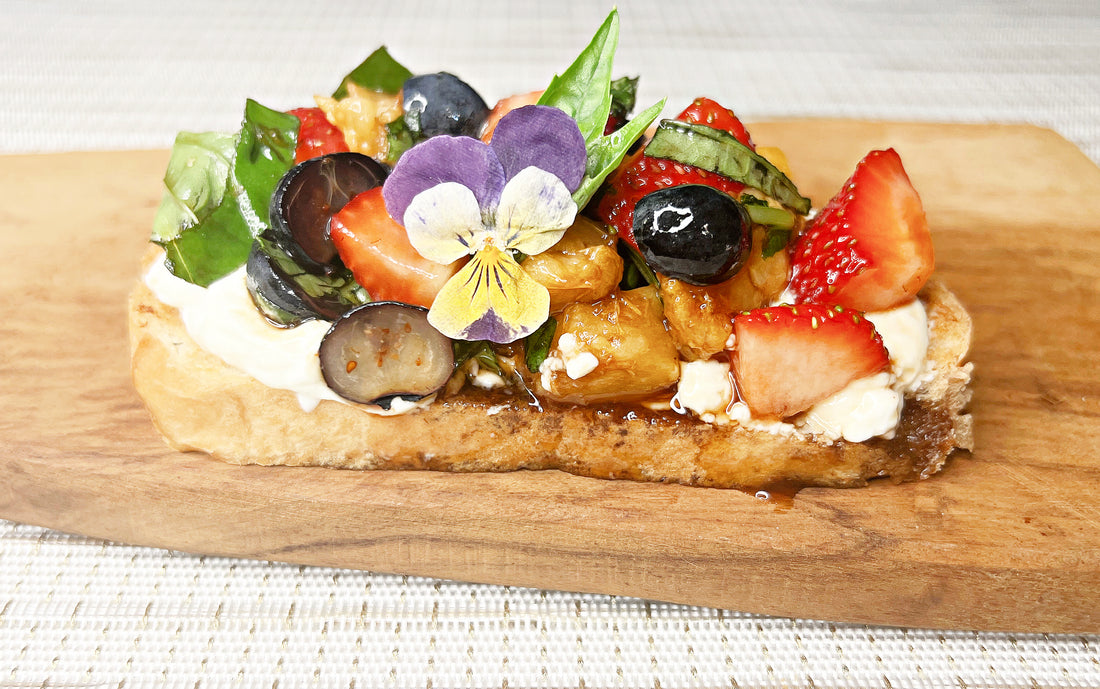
(316, 135)
(869, 248)
(640, 174)
(788, 358)
(377, 251)
(708, 112)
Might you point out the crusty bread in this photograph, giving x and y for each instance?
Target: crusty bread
(200, 403)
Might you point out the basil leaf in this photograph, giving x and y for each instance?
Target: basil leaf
(217, 191)
(606, 152)
(212, 249)
(636, 272)
(623, 93)
(778, 223)
(715, 150)
(763, 214)
(199, 223)
(265, 152)
(194, 182)
(537, 345)
(481, 350)
(583, 89)
(379, 72)
(775, 241)
(400, 139)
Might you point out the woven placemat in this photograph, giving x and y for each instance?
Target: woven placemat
(81, 612)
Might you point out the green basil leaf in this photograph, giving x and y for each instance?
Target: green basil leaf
(636, 272)
(379, 72)
(623, 93)
(775, 241)
(769, 216)
(584, 92)
(265, 152)
(194, 182)
(716, 150)
(583, 89)
(400, 139)
(537, 344)
(217, 191)
(778, 223)
(606, 152)
(338, 286)
(211, 249)
(199, 223)
(480, 350)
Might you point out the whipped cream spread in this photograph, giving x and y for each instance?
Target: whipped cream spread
(223, 321)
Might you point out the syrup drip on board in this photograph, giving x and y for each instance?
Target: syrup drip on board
(779, 494)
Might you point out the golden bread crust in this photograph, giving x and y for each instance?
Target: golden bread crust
(200, 403)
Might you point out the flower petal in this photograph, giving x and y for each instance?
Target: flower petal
(491, 298)
(535, 211)
(444, 222)
(542, 136)
(460, 159)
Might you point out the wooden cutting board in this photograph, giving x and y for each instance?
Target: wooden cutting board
(1008, 538)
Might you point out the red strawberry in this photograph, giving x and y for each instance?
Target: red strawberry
(377, 251)
(316, 135)
(640, 175)
(788, 358)
(869, 248)
(707, 112)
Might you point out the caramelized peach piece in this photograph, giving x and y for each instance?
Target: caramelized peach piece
(700, 317)
(582, 267)
(614, 349)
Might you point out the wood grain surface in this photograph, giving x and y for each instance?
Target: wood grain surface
(1008, 538)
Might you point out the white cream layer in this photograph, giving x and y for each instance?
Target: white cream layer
(223, 320)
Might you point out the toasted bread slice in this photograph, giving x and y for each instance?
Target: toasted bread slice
(200, 403)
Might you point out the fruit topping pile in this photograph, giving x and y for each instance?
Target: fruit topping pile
(578, 253)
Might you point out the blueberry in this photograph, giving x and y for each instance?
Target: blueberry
(693, 232)
(307, 197)
(287, 295)
(441, 103)
(273, 293)
(384, 350)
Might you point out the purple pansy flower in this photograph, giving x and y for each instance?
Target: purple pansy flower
(457, 196)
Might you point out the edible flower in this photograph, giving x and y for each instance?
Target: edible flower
(457, 197)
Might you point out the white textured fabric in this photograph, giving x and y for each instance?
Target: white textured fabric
(79, 612)
(107, 75)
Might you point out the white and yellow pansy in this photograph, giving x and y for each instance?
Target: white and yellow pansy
(458, 196)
